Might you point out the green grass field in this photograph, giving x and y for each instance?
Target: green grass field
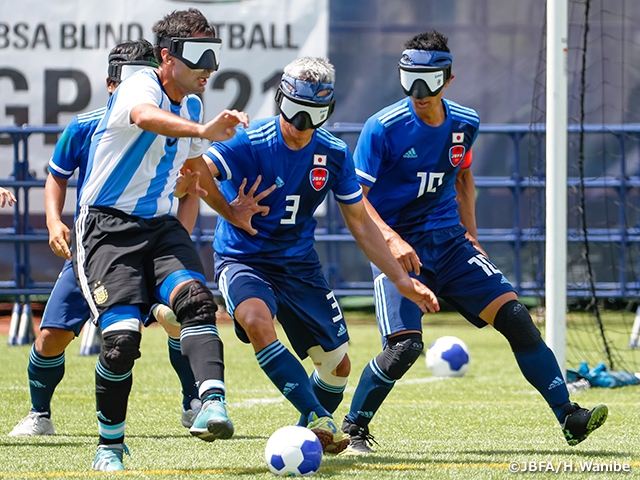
(472, 427)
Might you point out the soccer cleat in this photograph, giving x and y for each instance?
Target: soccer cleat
(212, 422)
(188, 416)
(109, 458)
(580, 422)
(33, 424)
(360, 440)
(333, 440)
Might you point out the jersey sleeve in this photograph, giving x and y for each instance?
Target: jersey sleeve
(65, 159)
(369, 152)
(347, 190)
(230, 156)
(136, 90)
(198, 145)
(467, 160)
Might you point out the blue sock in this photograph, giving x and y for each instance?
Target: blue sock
(329, 396)
(287, 373)
(181, 365)
(541, 369)
(45, 373)
(372, 389)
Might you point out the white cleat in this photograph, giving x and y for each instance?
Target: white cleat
(33, 424)
(188, 416)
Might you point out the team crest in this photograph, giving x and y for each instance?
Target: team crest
(319, 178)
(456, 154)
(320, 160)
(100, 294)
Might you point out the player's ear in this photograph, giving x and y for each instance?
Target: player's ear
(448, 81)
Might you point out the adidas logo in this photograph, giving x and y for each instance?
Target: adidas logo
(279, 182)
(341, 330)
(365, 414)
(556, 383)
(504, 280)
(410, 153)
(288, 388)
(37, 384)
(102, 417)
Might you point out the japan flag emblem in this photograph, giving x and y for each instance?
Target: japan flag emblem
(457, 137)
(318, 178)
(320, 160)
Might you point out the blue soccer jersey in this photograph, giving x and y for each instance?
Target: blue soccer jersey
(411, 167)
(72, 148)
(303, 177)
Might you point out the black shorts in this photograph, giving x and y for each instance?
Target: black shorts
(120, 259)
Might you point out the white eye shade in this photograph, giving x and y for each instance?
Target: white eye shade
(317, 114)
(127, 70)
(434, 80)
(192, 51)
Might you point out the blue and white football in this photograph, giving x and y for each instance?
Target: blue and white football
(293, 451)
(448, 357)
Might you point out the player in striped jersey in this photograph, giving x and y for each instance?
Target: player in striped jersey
(67, 311)
(277, 271)
(411, 160)
(130, 252)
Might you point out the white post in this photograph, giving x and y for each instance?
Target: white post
(556, 191)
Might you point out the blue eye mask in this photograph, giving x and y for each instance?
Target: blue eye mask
(423, 73)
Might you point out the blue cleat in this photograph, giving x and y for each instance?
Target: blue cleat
(109, 458)
(212, 422)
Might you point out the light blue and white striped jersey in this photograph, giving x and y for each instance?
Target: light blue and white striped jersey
(133, 170)
(72, 148)
(411, 167)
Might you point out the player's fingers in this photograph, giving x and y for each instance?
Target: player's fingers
(266, 192)
(202, 192)
(243, 184)
(415, 265)
(255, 185)
(263, 210)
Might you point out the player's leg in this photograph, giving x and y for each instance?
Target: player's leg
(63, 318)
(330, 375)
(539, 366)
(480, 291)
(399, 321)
(252, 303)
(191, 403)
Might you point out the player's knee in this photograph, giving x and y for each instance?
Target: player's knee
(331, 367)
(120, 349)
(400, 354)
(193, 304)
(51, 342)
(514, 322)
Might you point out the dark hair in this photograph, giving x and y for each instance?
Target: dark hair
(181, 24)
(431, 40)
(130, 50)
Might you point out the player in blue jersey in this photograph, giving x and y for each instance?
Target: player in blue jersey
(276, 271)
(67, 311)
(411, 162)
(129, 251)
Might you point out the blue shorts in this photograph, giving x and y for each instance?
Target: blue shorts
(453, 270)
(296, 291)
(66, 309)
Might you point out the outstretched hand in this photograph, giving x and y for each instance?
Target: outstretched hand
(188, 183)
(245, 206)
(223, 126)
(418, 294)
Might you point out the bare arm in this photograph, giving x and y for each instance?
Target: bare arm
(401, 250)
(188, 211)
(156, 120)
(372, 243)
(240, 211)
(55, 193)
(466, 198)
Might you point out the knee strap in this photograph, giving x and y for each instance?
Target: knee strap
(194, 305)
(119, 350)
(400, 354)
(514, 322)
(326, 362)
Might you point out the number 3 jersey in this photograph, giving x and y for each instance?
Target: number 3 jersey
(411, 167)
(303, 178)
